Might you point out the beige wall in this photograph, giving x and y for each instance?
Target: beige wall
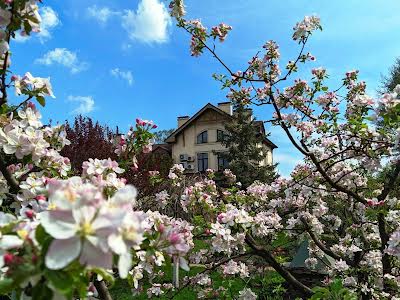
(186, 141)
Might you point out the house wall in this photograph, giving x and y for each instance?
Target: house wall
(186, 141)
(267, 152)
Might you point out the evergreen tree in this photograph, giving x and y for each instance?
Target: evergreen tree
(161, 135)
(243, 140)
(390, 81)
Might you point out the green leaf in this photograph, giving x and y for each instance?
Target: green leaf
(6, 286)
(41, 100)
(43, 238)
(42, 291)
(62, 281)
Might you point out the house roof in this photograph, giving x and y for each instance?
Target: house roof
(162, 147)
(172, 136)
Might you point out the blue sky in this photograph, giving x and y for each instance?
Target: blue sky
(118, 60)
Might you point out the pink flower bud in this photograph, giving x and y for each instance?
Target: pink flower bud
(8, 258)
(30, 214)
(174, 238)
(161, 228)
(14, 77)
(40, 198)
(34, 258)
(154, 126)
(220, 217)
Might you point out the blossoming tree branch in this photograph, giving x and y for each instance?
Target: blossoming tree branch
(62, 236)
(332, 199)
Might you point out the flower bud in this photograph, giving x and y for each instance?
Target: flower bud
(8, 258)
(30, 214)
(174, 238)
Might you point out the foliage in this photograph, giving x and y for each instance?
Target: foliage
(390, 81)
(334, 291)
(88, 139)
(244, 141)
(161, 135)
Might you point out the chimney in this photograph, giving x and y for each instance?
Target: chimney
(182, 120)
(247, 112)
(226, 107)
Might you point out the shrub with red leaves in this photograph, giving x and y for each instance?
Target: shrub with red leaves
(90, 139)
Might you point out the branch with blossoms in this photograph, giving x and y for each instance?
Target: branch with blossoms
(341, 149)
(65, 236)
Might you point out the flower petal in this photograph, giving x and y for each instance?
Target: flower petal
(124, 264)
(62, 252)
(10, 241)
(117, 244)
(59, 224)
(6, 218)
(125, 195)
(95, 257)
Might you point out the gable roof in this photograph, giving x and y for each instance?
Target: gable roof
(259, 124)
(171, 137)
(162, 147)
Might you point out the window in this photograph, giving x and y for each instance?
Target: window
(202, 137)
(202, 162)
(222, 163)
(220, 135)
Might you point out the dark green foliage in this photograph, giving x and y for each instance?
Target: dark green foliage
(161, 135)
(244, 154)
(334, 291)
(390, 81)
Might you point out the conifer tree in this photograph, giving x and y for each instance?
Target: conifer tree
(391, 80)
(243, 140)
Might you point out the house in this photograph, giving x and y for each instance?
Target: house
(196, 143)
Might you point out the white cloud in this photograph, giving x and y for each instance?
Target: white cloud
(100, 14)
(50, 20)
(85, 104)
(64, 57)
(149, 24)
(125, 75)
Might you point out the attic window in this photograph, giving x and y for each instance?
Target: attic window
(202, 137)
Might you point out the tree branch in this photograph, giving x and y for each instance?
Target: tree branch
(102, 290)
(4, 67)
(260, 251)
